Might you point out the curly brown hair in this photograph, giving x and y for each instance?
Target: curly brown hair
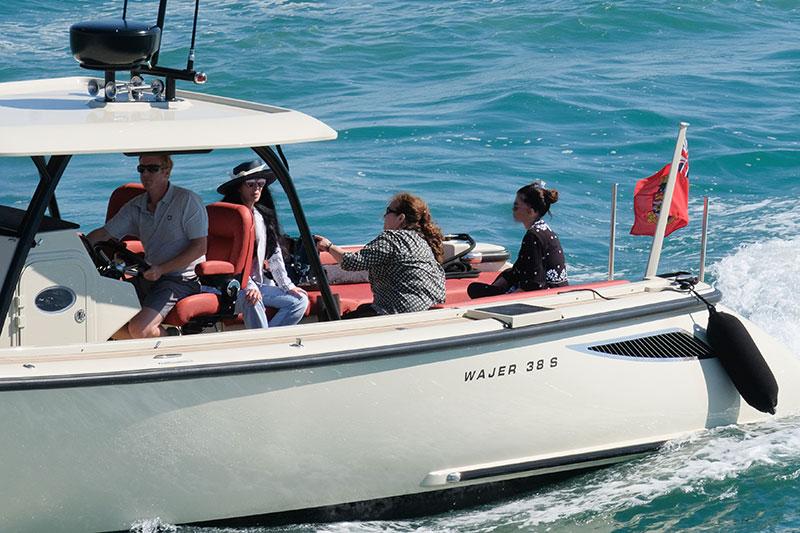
(418, 218)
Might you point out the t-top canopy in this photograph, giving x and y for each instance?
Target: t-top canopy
(58, 117)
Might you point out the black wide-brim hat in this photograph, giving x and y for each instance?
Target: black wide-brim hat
(251, 170)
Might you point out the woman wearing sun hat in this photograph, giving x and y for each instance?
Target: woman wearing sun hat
(248, 186)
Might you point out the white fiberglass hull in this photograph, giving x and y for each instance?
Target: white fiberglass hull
(272, 433)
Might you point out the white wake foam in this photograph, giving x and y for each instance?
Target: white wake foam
(687, 466)
(760, 281)
(776, 217)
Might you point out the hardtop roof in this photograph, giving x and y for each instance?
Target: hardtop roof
(58, 117)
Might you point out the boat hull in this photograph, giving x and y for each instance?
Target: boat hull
(98, 453)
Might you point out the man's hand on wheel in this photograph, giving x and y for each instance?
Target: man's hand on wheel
(153, 273)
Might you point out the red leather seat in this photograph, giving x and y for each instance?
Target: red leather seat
(457, 291)
(121, 196)
(231, 239)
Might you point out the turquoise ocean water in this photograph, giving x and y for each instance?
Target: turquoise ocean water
(463, 102)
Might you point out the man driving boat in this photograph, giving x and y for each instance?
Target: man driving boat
(172, 224)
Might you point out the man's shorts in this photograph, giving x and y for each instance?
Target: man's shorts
(162, 295)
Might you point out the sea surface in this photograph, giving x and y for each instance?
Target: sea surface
(463, 102)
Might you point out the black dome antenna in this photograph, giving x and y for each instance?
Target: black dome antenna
(118, 44)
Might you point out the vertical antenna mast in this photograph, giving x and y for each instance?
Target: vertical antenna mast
(190, 61)
(166, 90)
(162, 12)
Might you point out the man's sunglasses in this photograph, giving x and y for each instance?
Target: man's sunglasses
(152, 169)
(256, 183)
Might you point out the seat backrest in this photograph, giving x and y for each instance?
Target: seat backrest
(231, 239)
(231, 236)
(121, 196)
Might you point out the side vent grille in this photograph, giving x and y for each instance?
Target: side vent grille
(671, 345)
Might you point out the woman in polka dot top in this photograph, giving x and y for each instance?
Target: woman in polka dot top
(540, 263)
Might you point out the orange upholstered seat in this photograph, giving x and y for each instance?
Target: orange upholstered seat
(457, 294)
(229, 255)
(354, 294)
(121, 196)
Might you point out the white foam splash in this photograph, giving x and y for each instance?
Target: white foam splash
(759, 281)
(688, 466)
(776, 217)
(152, 525)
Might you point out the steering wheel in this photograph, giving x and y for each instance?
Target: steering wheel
(454, 264)
(98, 261)
(120, 250)
(113, 259)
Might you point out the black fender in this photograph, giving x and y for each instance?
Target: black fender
(742, 360)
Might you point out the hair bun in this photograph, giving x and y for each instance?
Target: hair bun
(551, 195)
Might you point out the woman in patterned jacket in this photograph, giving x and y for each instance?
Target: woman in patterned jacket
(403, 261)
(540, 263)
(249, 186)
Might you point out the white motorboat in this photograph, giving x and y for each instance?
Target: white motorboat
(366, 418)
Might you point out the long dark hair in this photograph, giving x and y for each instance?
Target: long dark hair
(266, 206)
(418, 218)
(538, 198)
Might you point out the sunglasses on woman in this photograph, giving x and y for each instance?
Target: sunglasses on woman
(392, 211)
(256, 183)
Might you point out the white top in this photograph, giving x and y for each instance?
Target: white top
(58, 117)
(276, 265)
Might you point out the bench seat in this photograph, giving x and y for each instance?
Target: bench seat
(530, 294)
(352, 295)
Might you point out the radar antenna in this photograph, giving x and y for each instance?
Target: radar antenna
(118, 45)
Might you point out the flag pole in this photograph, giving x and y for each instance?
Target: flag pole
(613, 238)
(703, 241)
(663, 216)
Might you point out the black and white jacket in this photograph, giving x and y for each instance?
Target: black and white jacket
(403, 273)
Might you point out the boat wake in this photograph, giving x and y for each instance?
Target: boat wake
(705, 474)
(153, 525)
(758, 281)
(696, 471)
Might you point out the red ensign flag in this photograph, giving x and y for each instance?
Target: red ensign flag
(649, 195)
